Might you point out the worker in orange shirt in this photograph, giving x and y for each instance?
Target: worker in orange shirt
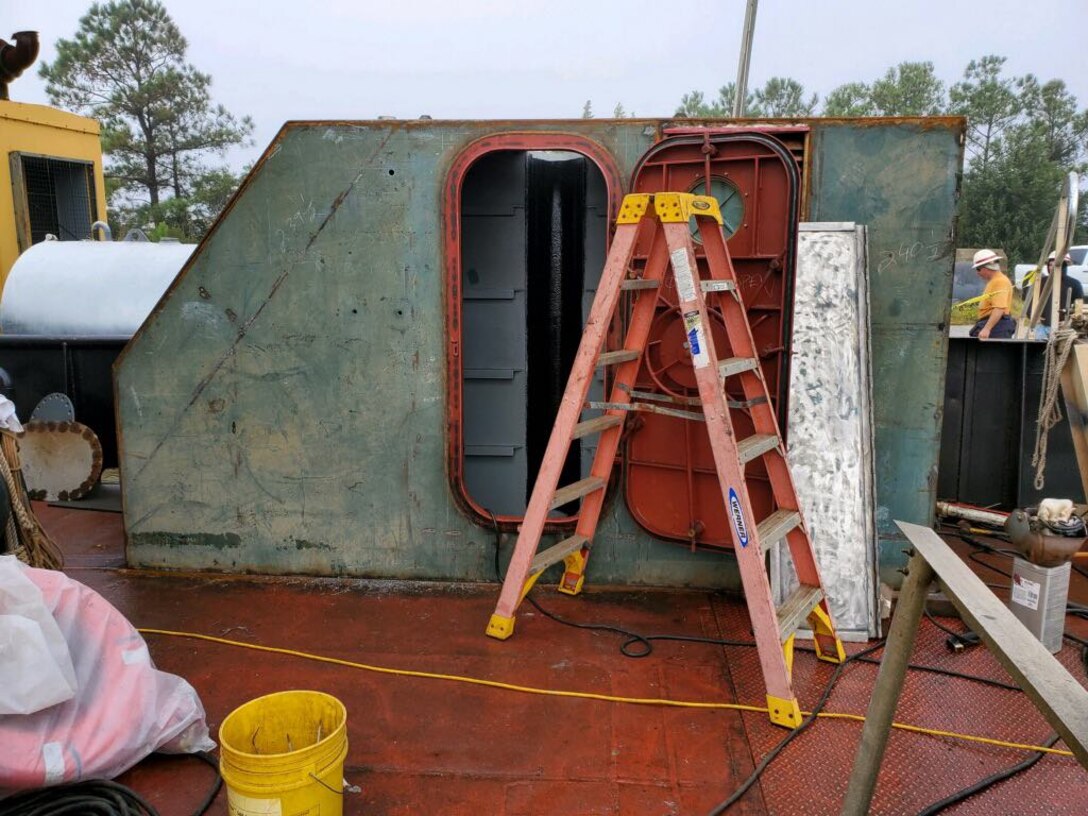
(993, 310)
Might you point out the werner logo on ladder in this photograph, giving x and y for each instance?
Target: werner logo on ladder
(666, 231)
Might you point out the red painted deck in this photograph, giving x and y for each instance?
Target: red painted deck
(436, 747)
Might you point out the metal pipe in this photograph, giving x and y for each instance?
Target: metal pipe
(107, 233)
(741, 95)
(966, 511)
(16, 57)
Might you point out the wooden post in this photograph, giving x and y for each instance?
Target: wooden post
(1054, 691)
(889, 682)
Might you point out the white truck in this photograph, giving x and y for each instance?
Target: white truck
(1078, 268)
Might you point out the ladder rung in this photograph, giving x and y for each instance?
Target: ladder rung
(796, 608)
(735, 365)
(775, 527)
(755, 446)
(596, 425)
(632, 284)
(621, 356)
(718, 285)
(647, 407)
(556, 553)
(694, 402)
(576, 490)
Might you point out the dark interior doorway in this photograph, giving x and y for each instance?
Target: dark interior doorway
(534, 226)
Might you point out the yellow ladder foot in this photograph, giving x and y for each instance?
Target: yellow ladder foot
(571, 583)
(824, 638)
(786, 713)
(499, 627)
(834, 653)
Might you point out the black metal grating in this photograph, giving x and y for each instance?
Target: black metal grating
(59, 197)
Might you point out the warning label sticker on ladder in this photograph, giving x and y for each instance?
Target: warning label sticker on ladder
(685, 281)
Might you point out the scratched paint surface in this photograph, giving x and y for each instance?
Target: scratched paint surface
(830, 433)
(284, 409)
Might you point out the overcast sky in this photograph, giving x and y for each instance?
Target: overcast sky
(497, 59)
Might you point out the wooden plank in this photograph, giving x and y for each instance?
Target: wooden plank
(1075, 391)
(756, 445)
(556, 553)
(614, 357)
(735, 365)
(642, 406)
(774, 528)
(717, 285)
(634, 284)
(1055, 692)
(596, 425)
(692, 402)
(19, 200)
(796, 608)
(889, 682)
(576, 490)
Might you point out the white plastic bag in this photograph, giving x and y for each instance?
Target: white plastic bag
(35, 668)
(8, 420)
(123, 710)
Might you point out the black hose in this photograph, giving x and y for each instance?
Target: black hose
(646, 641)
(96, 797)
(989, 781)
(774, 752)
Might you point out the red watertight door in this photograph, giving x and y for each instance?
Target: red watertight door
(671, 485)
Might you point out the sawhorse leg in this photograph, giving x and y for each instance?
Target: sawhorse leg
(889, 683)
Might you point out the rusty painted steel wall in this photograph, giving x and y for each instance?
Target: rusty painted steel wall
(284, 408)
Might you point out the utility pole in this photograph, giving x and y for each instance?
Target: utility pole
(745, 59)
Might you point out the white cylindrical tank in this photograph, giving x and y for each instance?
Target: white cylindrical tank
(88, 288)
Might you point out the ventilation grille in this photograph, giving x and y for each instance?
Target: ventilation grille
(59, 198)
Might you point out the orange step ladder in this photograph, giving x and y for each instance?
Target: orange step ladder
(666, 228)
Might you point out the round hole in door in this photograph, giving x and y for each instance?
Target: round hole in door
(730, 202)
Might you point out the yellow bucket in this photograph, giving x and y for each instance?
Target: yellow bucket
(283, 755)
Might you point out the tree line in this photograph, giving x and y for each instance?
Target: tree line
(126, 67)
(165, 140)
(1023, 136)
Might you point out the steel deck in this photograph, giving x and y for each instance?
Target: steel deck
(429, 746)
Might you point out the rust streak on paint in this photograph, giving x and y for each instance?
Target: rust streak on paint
(204, 382)
(347, 191)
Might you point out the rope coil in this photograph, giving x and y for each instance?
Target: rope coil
(25, 536)
(1058, 348)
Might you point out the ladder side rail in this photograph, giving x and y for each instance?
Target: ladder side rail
(638, 330)
(723, 444)
(762, 413)
(570, 409)
(765, 421)
(738, 329)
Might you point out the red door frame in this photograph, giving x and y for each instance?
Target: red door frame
(451, 242)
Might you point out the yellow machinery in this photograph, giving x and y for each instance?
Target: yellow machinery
(50, 178)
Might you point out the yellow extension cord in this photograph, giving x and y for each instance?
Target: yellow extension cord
(587, 695)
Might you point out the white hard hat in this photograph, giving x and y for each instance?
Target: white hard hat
(1068, 259)
(986, 257)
